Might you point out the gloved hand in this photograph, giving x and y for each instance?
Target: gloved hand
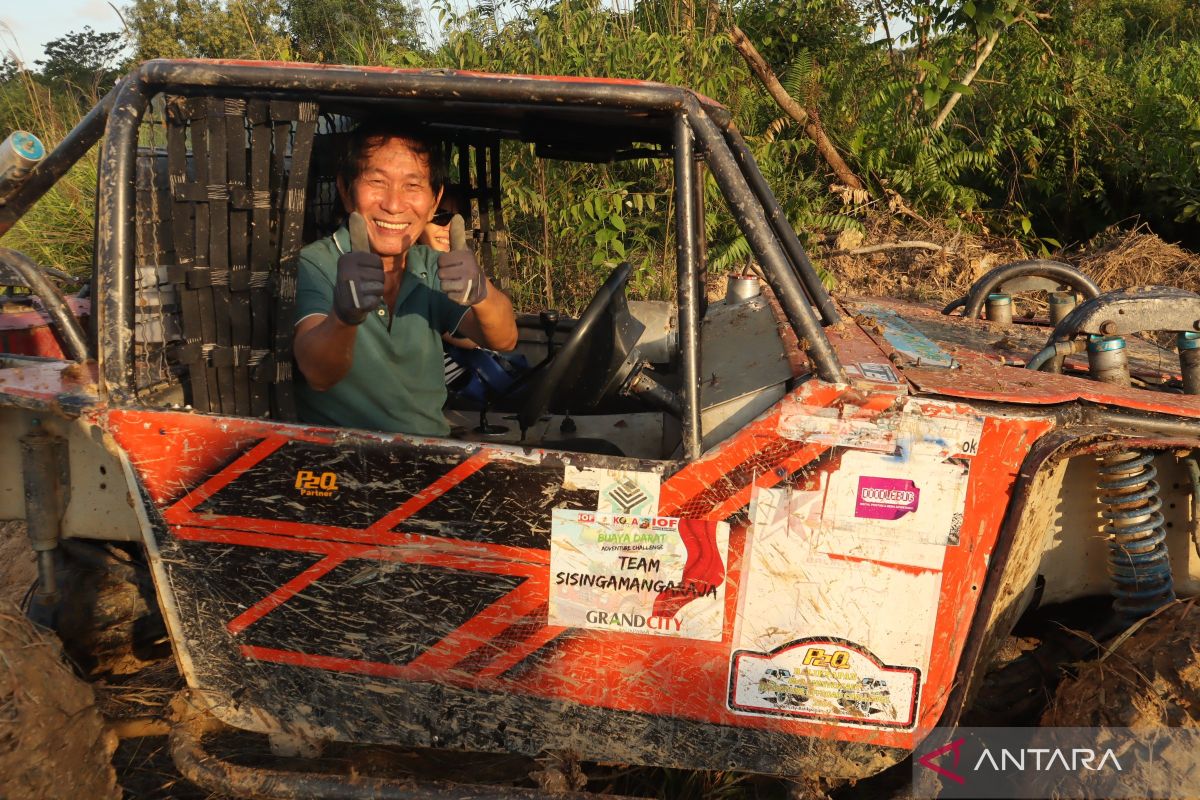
(458, 271)
(359, 287)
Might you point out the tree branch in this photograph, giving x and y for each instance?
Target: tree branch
(766, 76)
(883, 20)
(966, 81)
(808, 118)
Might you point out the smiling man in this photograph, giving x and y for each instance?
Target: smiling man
(369, 319)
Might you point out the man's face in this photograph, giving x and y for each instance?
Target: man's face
(393, 194)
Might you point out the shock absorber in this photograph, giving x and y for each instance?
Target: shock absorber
(1138, 562)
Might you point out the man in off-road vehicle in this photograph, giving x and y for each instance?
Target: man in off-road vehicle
(372, 304)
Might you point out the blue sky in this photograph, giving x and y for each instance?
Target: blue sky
(28, 26)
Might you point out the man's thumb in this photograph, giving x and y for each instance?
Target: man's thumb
(458, 233)
(359, 241)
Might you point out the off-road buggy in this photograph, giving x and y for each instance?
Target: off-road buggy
(678, 504)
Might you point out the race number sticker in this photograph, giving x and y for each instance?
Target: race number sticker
(824, 679)
(661, 576)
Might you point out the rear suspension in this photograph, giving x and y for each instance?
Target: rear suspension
(1138, 562)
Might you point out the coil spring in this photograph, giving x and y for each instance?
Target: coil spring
(1137, 552)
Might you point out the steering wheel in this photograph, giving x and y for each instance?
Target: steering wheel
(595, 360)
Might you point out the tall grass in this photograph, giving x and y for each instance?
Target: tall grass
(57, 230)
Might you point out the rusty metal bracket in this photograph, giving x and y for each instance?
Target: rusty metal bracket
(1126, 311)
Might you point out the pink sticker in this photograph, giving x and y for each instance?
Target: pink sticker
(885, 498)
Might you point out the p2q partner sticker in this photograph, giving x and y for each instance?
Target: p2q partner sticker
(824, 678)
(885, 498)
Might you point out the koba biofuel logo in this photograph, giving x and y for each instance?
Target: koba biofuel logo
(312, 484)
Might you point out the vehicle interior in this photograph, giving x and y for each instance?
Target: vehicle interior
(231, 186)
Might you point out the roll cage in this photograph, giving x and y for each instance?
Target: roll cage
(574, 118)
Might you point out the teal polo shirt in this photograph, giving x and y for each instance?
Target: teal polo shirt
(397, 382)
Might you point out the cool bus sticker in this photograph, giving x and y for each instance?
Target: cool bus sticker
(828, 679)
(661, 576)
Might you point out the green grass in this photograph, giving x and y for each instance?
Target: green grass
(58, 230)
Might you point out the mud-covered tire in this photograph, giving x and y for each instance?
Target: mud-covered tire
(108, 617)
(53, 741)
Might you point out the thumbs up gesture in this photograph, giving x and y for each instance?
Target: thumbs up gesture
(359, 286)
(459, 272)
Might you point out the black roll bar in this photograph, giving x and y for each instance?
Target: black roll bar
(752, 217)
(687, 258)
(66, 326)
(115, 234)
(783, 229)
(116, 238)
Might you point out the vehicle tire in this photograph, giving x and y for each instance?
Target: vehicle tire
(53, 741)
(108, 616)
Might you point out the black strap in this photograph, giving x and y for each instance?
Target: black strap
(237, 207)
(221, 355)
(499, 232)
(180, 111)
(291, 230)
(157, 325)
(262, 256)
(485, 201)
(239, 251)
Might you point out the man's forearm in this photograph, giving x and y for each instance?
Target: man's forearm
(497, 323)
(324, 350)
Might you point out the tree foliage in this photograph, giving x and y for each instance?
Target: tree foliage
(1045, 119)
(85, 60)
(326, 31)
(207, 29)
(352, 31)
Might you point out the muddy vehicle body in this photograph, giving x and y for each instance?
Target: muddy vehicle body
(779, 487)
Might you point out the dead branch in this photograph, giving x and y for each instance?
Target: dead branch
(808, 118)
(878, 248)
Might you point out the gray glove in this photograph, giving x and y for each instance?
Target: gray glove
(359, 287)
(459, 272)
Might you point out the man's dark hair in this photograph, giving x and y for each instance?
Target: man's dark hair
(371, 133)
